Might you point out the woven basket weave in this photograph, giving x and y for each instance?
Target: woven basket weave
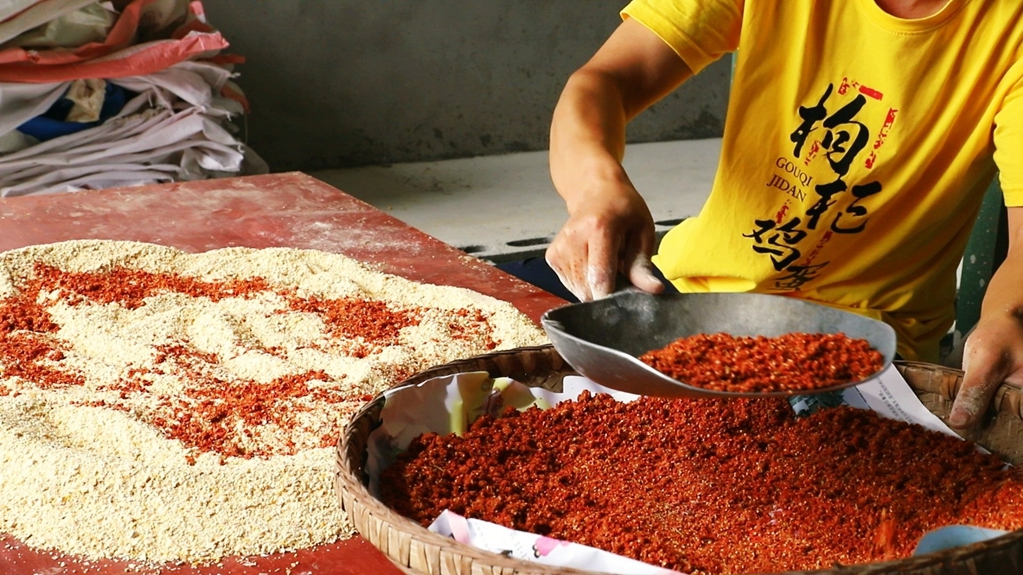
(416, 550)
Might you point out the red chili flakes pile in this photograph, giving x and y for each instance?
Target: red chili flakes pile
(212, 414)
(794, 361)
(215, 419)
(218, 415)
(706, 486)
(371, 321)
(130, 287)
(474, 327)
(26, 348)
(22, 313)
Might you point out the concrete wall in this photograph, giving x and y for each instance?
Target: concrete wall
(337, 83)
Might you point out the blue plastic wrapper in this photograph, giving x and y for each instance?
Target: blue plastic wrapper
(954, 536)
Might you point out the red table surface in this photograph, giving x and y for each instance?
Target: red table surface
(277, 210)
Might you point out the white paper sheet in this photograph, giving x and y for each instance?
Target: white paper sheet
(890, 396)
(538, 549)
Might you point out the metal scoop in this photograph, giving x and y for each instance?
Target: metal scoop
(602, 339)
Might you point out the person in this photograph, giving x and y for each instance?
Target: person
(859, 140)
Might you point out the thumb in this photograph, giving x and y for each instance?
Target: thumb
(641, 274)
(985, 370)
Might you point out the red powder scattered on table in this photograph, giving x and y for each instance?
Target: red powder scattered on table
(130, 287)
(794, 361)
(25, 347)
(706, 486)
(212, 414)
(18, 313)
(373, 322)
(478, 328)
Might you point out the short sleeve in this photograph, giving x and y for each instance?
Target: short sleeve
(1008, 139)
(700, 31)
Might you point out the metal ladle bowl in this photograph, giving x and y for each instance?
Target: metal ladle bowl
(602, 339)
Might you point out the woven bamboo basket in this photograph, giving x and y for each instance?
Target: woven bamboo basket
(416, 550)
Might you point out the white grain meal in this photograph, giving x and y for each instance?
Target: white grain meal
(163, 406)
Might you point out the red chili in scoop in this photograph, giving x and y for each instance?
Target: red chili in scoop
(794, 361)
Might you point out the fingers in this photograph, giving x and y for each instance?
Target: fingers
(986, 367)
(564, 268)
(589, 269)
(641, 273)
(602, 266)
(581, 266)
(601, 239)
(600, 280)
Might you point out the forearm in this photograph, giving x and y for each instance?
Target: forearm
(609, 228)
(630, 72)
(587, 137)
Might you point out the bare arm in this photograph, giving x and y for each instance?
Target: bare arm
(994, 351)
(609, 228)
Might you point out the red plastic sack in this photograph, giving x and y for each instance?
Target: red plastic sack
(117, 57)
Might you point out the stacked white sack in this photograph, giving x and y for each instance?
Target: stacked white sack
(177, 127)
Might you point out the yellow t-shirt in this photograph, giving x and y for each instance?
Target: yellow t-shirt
(856, 152)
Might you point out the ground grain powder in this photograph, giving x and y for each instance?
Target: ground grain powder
(163, 406)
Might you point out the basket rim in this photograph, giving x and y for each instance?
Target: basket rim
(362, 506)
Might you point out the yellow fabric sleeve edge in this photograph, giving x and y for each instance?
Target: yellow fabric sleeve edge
(1012, 198)
(668, 32)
